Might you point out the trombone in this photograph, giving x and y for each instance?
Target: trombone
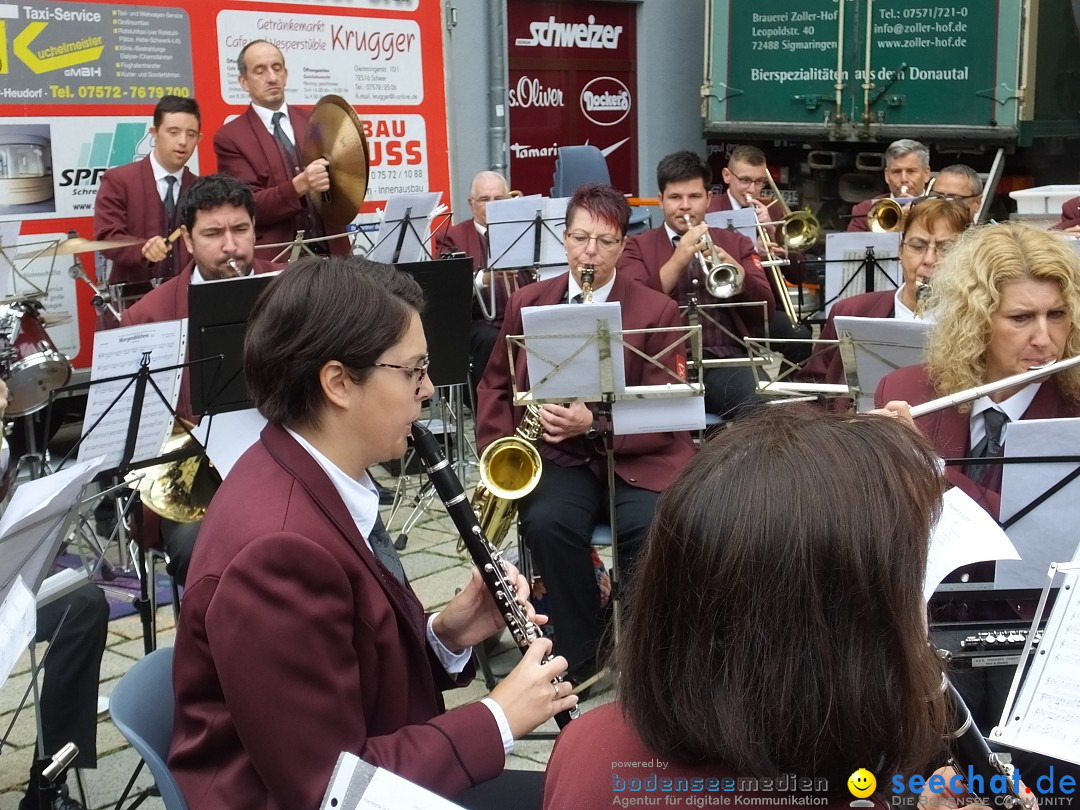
(799, 230)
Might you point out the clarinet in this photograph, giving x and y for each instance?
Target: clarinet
(484, 556)
(973, 752)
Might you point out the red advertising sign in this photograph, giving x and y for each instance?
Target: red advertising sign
(79, 81)
(572, 80)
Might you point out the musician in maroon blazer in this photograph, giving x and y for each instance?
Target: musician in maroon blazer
(1006, 299)
(931, 227)
(666, 258)
(559, 515)
(217, 216)
(907, 171)
(1070, 216)
(131, 203)
(301, 637)
(744, 177)
(264, 148)
(470, 237)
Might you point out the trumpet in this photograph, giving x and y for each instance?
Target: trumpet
(722, 279)
(887, 215)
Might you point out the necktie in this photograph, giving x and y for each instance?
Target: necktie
(990, 446)
(384, 550)
(170, 202)
(288, 148)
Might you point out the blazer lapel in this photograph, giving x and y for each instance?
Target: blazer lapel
(311, 477)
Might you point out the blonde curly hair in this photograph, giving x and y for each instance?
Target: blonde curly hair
(967, 292)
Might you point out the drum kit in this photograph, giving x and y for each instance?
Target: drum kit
(30, 363)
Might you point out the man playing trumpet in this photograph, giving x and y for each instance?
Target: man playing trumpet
(907, 171)
(666, 258)
(1006, 301)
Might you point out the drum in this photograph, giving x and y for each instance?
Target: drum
(34, 367)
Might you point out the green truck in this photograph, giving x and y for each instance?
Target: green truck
(825, 85)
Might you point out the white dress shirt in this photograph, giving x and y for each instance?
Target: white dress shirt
(362, 500)
(267, 117)
(1013, 407)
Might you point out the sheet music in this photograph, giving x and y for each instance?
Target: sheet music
(1046, 715)
(420, 208)
(1041, 536)
(227, 436)
(18, 625)
(119, 351)
(512, 231)
(882, 345)
(563, 353)
(359, 785)
(964, 534)
(742, 220)
(845, 254)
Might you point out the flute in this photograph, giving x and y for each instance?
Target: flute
(485, 557)
(969, 394)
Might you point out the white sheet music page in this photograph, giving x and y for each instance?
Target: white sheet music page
(965, 534)
(845, 264)
(563, 352)
(882, 345)
(359, 785)
(119, 352)
(18, 624)
(743, 220)
(1046, 715)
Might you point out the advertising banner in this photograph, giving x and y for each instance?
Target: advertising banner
(79, 81)
(572, 81)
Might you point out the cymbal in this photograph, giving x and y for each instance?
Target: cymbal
(55, 318)
(74, 245)
(335, 133)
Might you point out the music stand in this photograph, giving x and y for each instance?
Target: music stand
(562, 382)
(217, 322)
(398, 239)
(448, 282)
(854, 260)
(32, 529)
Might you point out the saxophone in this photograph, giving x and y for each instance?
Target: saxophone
(588, 273)
(484, 556)
(509, 470)
(922, 297)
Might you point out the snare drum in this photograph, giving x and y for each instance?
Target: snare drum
(34, 367)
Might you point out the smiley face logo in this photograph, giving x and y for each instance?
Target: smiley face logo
(861, 783)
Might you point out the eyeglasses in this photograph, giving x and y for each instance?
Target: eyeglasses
(486, 200)
(605, 243)
(751, 181)
(920, 246)
(417, 372)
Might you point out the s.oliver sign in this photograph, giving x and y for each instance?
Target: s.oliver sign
(572, 81)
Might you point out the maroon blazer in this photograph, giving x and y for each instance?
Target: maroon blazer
(128, 206)
(464, 238)
(949, 429)
(646, 253)
(169, 302)
(1070, 214)
(296, 644)
(247, 151)
(825, 363)
(647, 460)
(602, 746)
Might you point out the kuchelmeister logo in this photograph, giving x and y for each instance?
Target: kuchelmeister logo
(551, 33)
(605, 101)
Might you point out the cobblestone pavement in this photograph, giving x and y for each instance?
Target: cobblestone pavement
(435, 569)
